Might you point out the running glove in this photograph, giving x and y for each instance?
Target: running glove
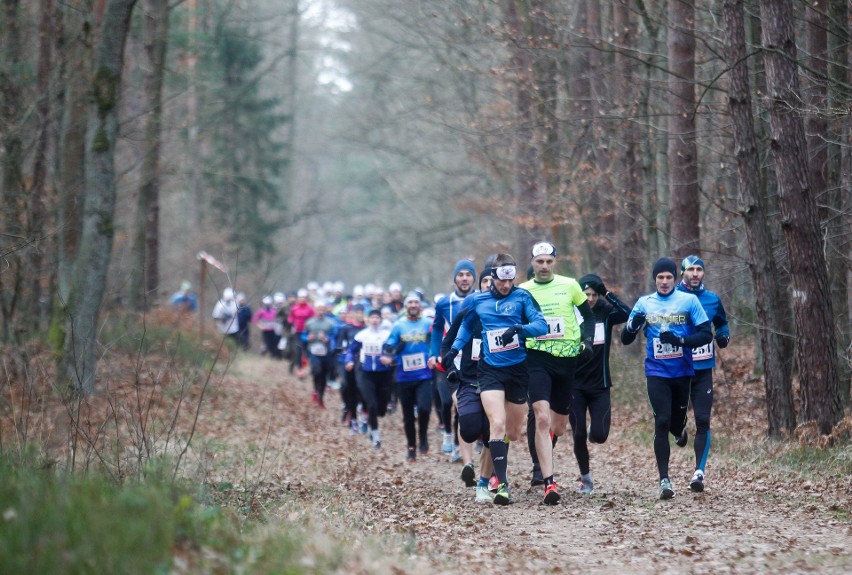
(452, 375)
(635, 323)
(448, 358)
(587, 350)
(507, 335)
(722, 341)
(670, 338)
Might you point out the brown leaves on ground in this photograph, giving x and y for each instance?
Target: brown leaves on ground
(264, 449)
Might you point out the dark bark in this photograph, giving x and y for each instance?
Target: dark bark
(682, 147)
(145, 258)
(812, 304)
(769, 307)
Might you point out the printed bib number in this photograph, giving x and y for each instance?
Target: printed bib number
(266, 325)
(703, 352)
(496, 343)
(413, 361)
(666, 350)
(600, 338)
(318, 348)
(475, 350)
(555, 328)
(370, 350)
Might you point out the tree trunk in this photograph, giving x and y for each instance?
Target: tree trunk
(89, 281)
(682, 149)
(812, 305)
(145, 256)
(839, 252)
(13, 239)
(38, 195)
(777, 348)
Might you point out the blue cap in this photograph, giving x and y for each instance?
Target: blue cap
(464, 265)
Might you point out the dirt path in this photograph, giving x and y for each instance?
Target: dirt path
(262, 433)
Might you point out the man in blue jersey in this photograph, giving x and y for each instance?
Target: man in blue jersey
(509, 315)
(704, 359)
(674, 324)
(408, 347)
(446, 309)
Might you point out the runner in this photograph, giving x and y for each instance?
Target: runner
(446, 309)
(408, 346)
(508, 314)
(592, 381)
(552, 357)
(675, 323)
(320, 332)
(300, 313)
(373, 377)
(353, 322)
(704, 360)
(473, 423)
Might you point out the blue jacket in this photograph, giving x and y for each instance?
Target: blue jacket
(705, 357)
(446, 310)
(414, 352)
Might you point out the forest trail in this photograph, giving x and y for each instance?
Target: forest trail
(750, 519)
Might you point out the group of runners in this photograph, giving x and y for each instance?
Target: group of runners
(499, 358)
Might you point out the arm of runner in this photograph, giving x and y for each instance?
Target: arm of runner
(620, 310)
(588, 322)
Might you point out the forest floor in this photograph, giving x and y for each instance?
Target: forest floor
(262, 442)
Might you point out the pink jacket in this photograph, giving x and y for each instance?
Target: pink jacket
(299, 314)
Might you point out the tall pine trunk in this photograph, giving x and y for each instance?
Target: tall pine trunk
(769, 306)
(812, 304)
(145, 255)
(682, 148)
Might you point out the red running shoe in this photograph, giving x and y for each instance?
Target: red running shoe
(551, 494)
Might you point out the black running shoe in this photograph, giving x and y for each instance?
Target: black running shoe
(537, 477)
(468, 475)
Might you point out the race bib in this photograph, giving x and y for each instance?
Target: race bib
(496, 343)
(703, 352)
(370, 350)
(318, 348)
(666, 350)
(266, 325)
(600, 338)
(475, 350)
(555, 328)
(413, 361)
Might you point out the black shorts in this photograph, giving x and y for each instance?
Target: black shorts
(551, 379)
(514, 380)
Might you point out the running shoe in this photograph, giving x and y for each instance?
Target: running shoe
(696, 484)
(354, 429)
(551, 494)
(666, 491)
(468, 475)
(683, 439)
(455, 455)
(412, 455)
(377, 445)
(493, 483)
(586, 487)
(502, 497)
(483, 495)
(314, 397)
(447, 445)
(537, 477)
(334, 384)
(424, 447)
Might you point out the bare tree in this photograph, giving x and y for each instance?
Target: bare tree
(682, 149)
(79, 361)
(769, 306)
(812, 302)
(145, 276)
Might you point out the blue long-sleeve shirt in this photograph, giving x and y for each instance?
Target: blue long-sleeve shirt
(411, 360)
(496, 315)
(704, 357)
(446, 310)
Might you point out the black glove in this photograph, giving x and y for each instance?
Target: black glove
(587, 350)
(447, 359)
(599, 288)
(722, 341)
(453, 375)
(635, 323)
(671, 338)
(507, 335)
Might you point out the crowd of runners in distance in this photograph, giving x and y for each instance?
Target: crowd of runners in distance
(498, 358)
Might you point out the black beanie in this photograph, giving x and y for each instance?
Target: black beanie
(589, 281)
(664, 265)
